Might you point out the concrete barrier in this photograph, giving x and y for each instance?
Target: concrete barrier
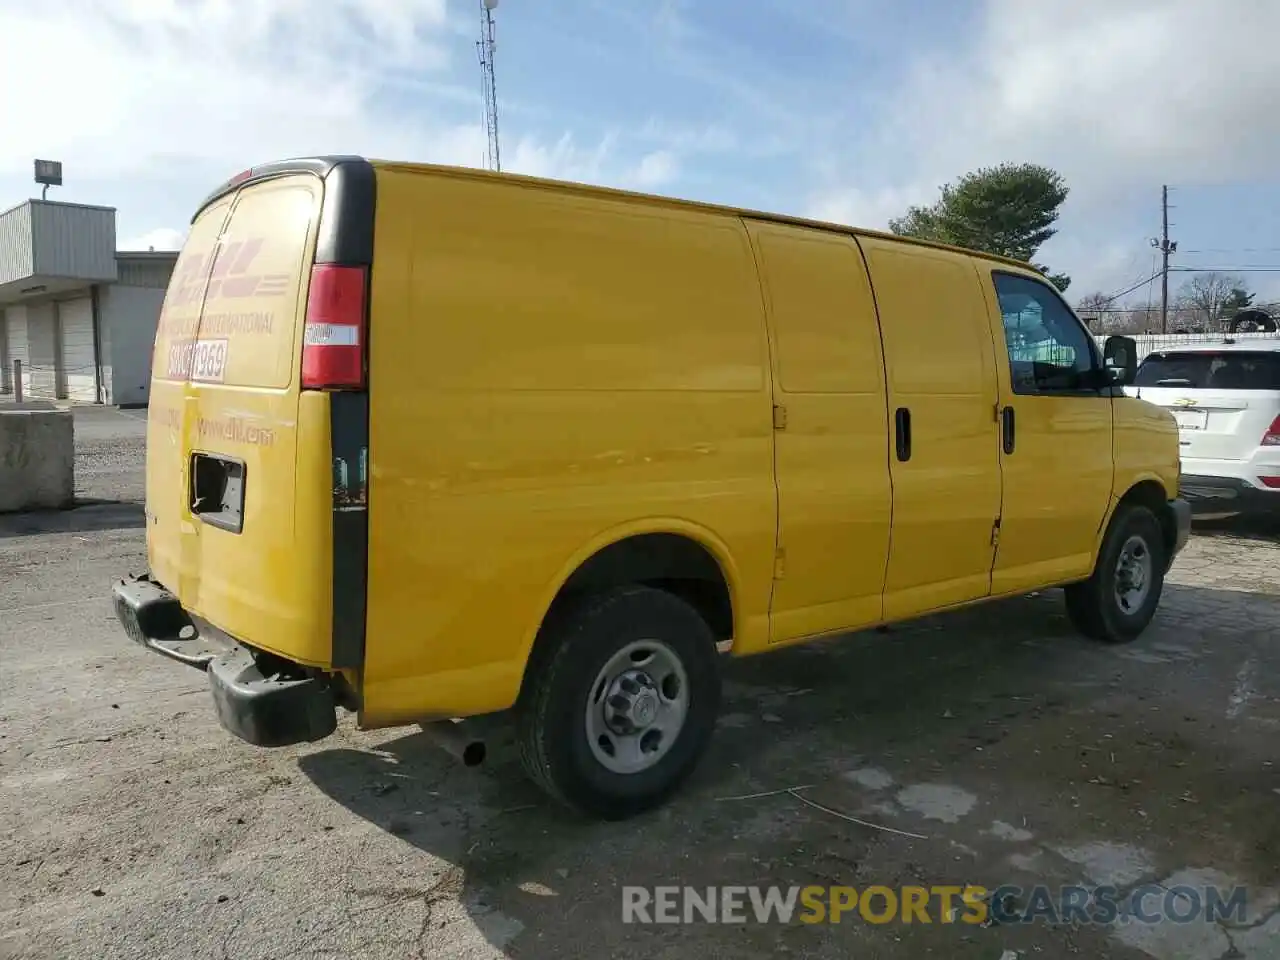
(37, 459)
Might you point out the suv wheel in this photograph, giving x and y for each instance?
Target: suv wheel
(1117, 602)
(620, 702)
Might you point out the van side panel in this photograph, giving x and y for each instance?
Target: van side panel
(548, 372)
(1144, 442)
(940, 361)
(834, 497)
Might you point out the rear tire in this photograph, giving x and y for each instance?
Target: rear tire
(620, 702)
(1116, 604)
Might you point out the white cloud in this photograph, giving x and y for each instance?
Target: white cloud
(1118, 95)
(143, 82)
(867, 208)
(1113, 93)
(161, 239)
(654, 170)
(158, 101)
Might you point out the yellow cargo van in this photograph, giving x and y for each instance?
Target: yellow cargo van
(426, 444)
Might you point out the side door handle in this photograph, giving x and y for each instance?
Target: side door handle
(902, 433)
(1007, 430)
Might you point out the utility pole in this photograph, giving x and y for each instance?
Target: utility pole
(1165, 248)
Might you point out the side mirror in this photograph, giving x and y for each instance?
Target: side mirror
(1120, 358)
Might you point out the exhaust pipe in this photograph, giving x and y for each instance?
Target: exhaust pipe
(458, 739)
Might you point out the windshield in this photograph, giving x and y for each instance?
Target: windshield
(1228, 370)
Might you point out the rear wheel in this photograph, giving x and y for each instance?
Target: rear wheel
(1116, 604)
(620, 702)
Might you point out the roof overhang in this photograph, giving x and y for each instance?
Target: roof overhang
(39, 288)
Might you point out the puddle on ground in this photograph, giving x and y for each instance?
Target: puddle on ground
(1007, 831)
(870, 778)
(937, 801)
(1030, 862)
(883, 808)
(1113, 864)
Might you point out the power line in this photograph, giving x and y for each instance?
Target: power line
(1235, 250)
(1224, 269)
(1128, 290)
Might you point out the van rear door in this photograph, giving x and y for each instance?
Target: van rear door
(238, 457)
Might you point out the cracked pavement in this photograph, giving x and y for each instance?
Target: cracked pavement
(135, 827)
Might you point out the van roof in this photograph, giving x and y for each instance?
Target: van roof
(321, 165)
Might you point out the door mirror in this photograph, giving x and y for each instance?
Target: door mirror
(1120, 357)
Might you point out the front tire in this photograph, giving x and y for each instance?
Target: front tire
(620, 702)
(1117, 603)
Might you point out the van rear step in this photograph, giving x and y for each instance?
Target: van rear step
(276, 708)
(153, 617)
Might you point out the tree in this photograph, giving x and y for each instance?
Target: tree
(1139, 320)
(1093, 303)
(1209, 297)
(1239, 299)
(1096, 308)
(1009, 210)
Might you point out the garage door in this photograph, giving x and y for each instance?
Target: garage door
(15, 322)
(78, 378)
(6, 365)
(42, 351)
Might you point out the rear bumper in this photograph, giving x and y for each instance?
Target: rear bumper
(1209, 494)
(284, 705)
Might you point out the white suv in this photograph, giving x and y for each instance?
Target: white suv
(1225, 396)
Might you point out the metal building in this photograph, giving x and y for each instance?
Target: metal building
(80, 315)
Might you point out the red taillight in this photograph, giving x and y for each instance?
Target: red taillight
(333, 338)
(1272, 437)
(1272, 482)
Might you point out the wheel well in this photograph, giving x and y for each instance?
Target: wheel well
(666, 561)
(1151, 495)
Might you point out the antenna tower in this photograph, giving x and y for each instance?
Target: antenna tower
(485, 47)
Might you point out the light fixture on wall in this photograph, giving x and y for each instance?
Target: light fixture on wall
(48, 174)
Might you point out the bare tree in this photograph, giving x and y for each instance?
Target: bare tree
(1100, 313)
(1207, 297)
(1093, 305)
(1140, 320)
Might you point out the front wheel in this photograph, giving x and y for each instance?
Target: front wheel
(1118, 601)
(620, 702)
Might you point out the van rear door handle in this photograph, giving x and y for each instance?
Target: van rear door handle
(902, 433)
(1007, 435)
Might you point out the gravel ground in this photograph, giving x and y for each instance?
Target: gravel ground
(1014, 751)
(110, 452)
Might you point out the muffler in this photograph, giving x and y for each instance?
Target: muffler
(459, 739)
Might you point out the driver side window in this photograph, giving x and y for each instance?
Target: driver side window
(1049, 349)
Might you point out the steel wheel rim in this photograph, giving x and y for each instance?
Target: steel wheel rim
(637, 707)
(1134, 572)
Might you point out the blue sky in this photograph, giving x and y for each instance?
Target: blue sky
(841, 109)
